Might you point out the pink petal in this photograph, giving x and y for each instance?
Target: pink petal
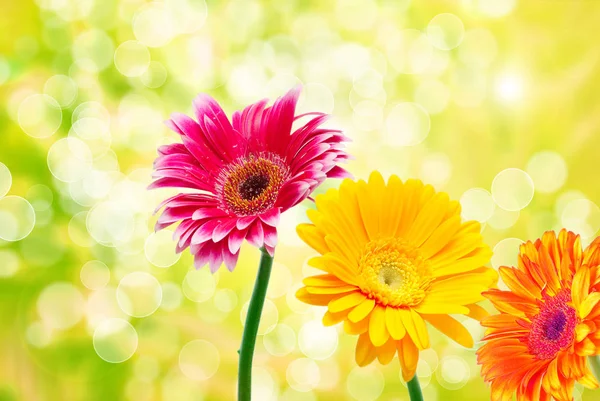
(244, 222)
(215, 257)
(200, 259)
(270, 235)
(195, 141)
(229, 258)
(338, 172)
(235, 239)
(223, 229)
(250, 120)
(204, 213)
(270, 250)
(173, 127)
(271, 217)
(204, 232)
(256, 234)
(279, 121)
(291, 194)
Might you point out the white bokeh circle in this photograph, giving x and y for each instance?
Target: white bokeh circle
(17, 218)
(199, 360)
(115, 340)
(512, 189)
(139, 294)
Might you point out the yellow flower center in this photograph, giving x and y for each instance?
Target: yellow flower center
(394, 272)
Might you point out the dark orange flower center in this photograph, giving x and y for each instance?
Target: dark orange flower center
(553, 328)
(250, 185)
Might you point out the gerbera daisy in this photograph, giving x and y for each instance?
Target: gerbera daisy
(244, 174)
(395, 256)
(537, 347)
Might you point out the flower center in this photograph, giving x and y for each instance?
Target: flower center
(394, 273)
(250, 184)
(253, 186)
(553, 328)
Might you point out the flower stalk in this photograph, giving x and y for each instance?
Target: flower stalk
(255, 308)
(414, 389)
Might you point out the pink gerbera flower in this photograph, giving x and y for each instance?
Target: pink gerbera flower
(245, 174)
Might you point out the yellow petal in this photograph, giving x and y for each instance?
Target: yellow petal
(390, 218)
(462, 290)
(477, 312)
(415, 327)
(369, 200)
(356, 328)
(362, 310)
(588, 380)
(460, 246)
(435, 308)
(377, 329)
(331, 290)
(411, 199)
(588, 304)
(581, 286)
(349, 204)
(331, 263)
(346, 302)
(345, 252)
(322, 280)
(421, 329)
(452, 329)
(440, 237)
(365, 352)
(346, 233)
(428, 219)
(313, 299)
(313, 237)
(331, 319)
(585, 348)
(581, 332)
(394, 324)
(464, 265)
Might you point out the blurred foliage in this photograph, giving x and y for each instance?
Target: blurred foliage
(452, 99)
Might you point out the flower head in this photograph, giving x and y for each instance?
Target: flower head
(549, 321)
(395, 256)
(244, 173)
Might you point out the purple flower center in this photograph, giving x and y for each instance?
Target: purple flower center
(555, 325)
(253, 186)
(553, 328)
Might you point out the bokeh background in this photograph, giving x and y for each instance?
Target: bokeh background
(493, 101)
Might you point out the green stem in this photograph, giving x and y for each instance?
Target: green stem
(414, 389)
(251, 327)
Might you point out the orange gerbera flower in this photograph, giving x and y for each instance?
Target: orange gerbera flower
(549, 321)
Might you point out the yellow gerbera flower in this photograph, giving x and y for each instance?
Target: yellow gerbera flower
(395, 256)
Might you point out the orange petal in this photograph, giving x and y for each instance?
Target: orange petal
(365, 352)
(408, 354)
(386, 352)
(452, 329)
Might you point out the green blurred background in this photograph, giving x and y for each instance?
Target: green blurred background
(493, 101)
